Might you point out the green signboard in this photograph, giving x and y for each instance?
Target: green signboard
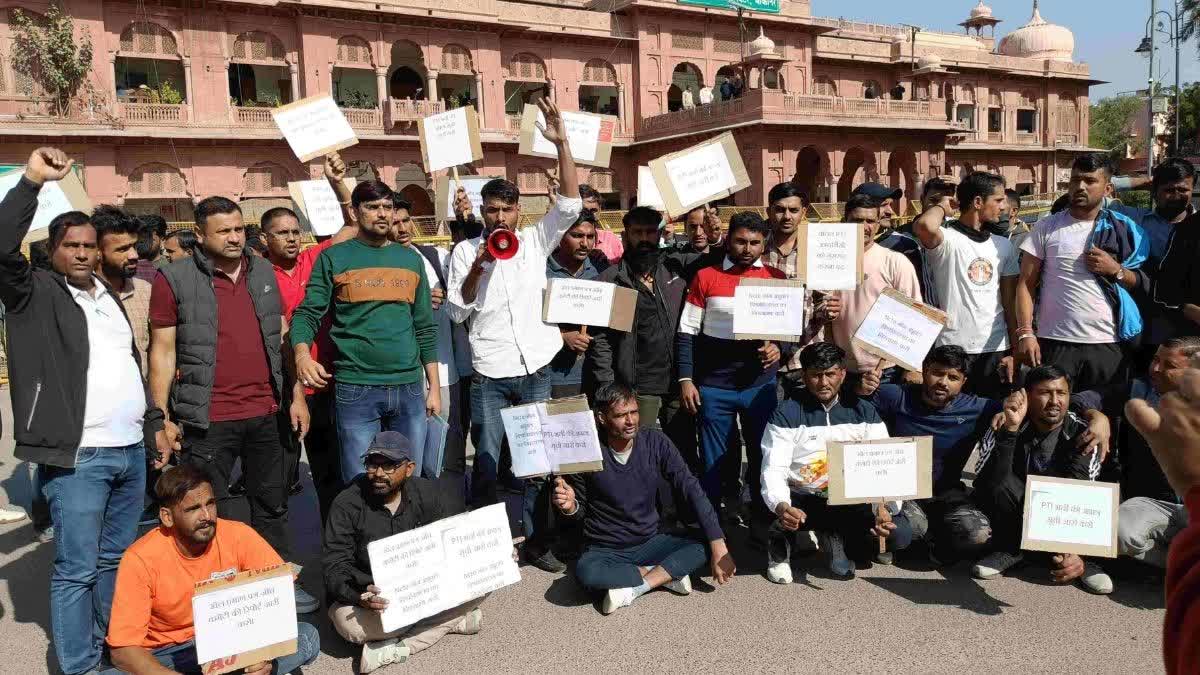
(770, 6)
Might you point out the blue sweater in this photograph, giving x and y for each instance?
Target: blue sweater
(619, 504)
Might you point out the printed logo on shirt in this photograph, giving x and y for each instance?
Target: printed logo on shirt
(980, 271)
(223, 574)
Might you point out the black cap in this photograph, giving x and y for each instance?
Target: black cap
(878, 191)
(392, 445)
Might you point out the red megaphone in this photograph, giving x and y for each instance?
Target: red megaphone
(503, 244)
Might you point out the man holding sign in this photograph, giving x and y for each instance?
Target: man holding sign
(572, 260)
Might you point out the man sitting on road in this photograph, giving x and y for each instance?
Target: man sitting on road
(152, 629)
(796, 440)
(626, 555)
(387, 500)
(1041, 443)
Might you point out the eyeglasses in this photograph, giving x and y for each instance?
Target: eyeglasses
(386, 469)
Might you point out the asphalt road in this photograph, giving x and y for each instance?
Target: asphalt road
(906, 618)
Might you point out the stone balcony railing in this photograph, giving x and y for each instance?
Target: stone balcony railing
(253, 117)
(367, 119)
(152, 113)
(409, 110)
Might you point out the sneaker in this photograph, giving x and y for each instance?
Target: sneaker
(544, 560)
(305, 602)
(681, 587)
(469, 624)
(45, 536)
(615, 599)
(885, 558)
(779, 559)
(12, 514)
(378, 654)
(994, 564)
(1094, 579)
(835, 551)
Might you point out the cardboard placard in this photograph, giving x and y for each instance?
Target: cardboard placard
(647, 191)
(444, 189)
(317, 205)
(899, 329)
(245, 619)
(830, 256)
(768, 309)
(589, 135)
(450, 138)
(314, 126)
(553, 437)
(442, 565)
(700, 174)
(1064, 515)
(54, 199)
(589, 303)
(880, 470)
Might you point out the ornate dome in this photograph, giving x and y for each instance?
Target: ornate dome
(981, 11)
(929, 61)
(1039, 39)
(762, 44)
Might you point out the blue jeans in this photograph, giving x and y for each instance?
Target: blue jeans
(720, 410)
(363, 410)
(182, 657)
(488, 397)
(603, 568)
(94, 508)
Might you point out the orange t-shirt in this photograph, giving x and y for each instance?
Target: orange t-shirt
(152, 604)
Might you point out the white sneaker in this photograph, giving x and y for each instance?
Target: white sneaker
(376, 655)
(1094, 579)
(994, 564)
(681, 587)
(471, 623)
(780, 572)
(12, 514)
(615, 599)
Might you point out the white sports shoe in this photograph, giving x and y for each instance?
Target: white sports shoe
(615, 599)
(994, 564)
(681, 587)
(1094, 579)
(12, 514)
(378, 654)
(780, 572)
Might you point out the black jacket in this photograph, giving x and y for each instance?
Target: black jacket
(48, 346)
(1005, 461)
(357, 519)
(1141, 475)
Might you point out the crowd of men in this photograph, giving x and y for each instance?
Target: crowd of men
(177, 374)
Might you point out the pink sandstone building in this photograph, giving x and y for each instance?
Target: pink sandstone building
(178, 104)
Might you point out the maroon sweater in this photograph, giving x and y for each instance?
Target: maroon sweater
(1181, 631)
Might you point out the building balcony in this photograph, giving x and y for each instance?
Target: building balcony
(401, 111)
(364, 119)
(152, 113)
(253, 117)
(995, 137)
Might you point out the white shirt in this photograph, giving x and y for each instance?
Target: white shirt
(1072, 305)
(447, 365)
(967, 276)
(506, 332)
(116, 399)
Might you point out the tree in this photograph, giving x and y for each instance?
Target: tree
(1188, 116)
(48, 51)
(1112, 121)
(1189, 18)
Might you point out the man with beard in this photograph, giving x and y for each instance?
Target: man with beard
(974, 273)
(1037, 437)
(217, 369)
(152, 628)
(117, 234)
(607, 242)
(1084, 260)
(571, 260)
(892, 235)
(388, 499)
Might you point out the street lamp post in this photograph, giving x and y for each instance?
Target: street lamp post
(1150, 96)
(1147, 46)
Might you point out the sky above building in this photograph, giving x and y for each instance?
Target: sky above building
(1106, 32)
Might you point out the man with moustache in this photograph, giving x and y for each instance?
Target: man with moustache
(572, 260)
(388, 499)
(117, 234)
(152, 628)
(607, 242)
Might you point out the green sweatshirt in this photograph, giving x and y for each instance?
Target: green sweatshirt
(381, 318)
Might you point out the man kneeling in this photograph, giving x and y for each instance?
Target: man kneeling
(151, 630)
(387, 500)
(626, 555)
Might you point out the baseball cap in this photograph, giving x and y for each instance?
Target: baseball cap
(391, 445)
(878, 191)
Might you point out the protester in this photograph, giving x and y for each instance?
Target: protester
(388, 499)
(216, 369)
(1010, 224)
(1085, 260)
(627, 556)
(152, 626)
(940, 192)
(181, 244)
(607, 242)
(86, 415)
(1037, 437)
(570, 260)
(704, 246)
(151, 234)
(117, 235)
(974, 273)
(727, 382)
(894, 237)
(501, 303)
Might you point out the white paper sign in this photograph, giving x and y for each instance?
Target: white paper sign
(472, 185)
(541, 443)
(448, 140)
(831, 260)
(879, 470)
(314, 127)
(571, 438)
(648, 194)
(905, 333)
(523, 426)
(698, 175)
(580, 301)
(583, 134)
(768, 310)
(51, 202)
(243, 618)
(321, 207)
(442, 565)
(1074, 514)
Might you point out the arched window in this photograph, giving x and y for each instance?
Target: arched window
(525, 83)
(598, 91)
(151, 39)
(156, 179)
(602, 180)
(531, 179)
(354, 82)
(456, 81)
(526, 67)
(354, 52)
(265, 179)
(257, 46)
(456, 59)
(259, 76)
(148, 68)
